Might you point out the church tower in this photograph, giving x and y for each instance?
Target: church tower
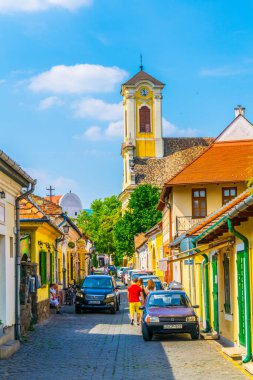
(142, 100)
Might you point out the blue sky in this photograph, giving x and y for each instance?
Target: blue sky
(63, 61)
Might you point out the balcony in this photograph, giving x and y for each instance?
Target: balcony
(184, 223)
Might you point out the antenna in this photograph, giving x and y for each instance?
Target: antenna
(51, 189)
(141, 65)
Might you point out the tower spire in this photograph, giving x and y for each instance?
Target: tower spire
(141, 65)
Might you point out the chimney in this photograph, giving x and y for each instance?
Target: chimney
(239, 110)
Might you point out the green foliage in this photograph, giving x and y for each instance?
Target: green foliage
(140, 216)
(99, 224)
(94, 260)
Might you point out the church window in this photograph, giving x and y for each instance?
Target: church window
(145, 124)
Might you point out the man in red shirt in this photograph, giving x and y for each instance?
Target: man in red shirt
(134, 295)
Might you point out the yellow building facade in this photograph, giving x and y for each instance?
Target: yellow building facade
(142, 102)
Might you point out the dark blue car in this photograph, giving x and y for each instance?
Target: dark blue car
(98, 293)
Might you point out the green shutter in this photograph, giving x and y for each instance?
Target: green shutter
(43, 267)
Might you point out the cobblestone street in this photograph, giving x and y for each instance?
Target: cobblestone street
(103, 346)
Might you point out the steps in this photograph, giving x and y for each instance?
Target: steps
(8, 345)
(9, 348)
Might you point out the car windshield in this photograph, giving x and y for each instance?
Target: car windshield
(169, 300)
(97, 283)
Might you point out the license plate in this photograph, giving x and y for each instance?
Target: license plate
(172, 326)
(94, 302)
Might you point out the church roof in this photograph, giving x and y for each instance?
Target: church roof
(142, 76)
(179, 152)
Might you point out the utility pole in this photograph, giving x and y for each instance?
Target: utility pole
(51, 189)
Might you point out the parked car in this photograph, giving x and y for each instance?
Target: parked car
(98, 292)
(136, 272)
(120, 271)
(112, 270)
(142, 274)
(124, 273)
(175, 285)
(157, 281)
(168, 312)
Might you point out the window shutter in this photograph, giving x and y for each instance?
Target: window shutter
(144, 115)
(43, 267)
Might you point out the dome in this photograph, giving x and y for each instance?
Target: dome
(71, 203)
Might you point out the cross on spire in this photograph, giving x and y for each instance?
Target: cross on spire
(141, 65)
(51, 189)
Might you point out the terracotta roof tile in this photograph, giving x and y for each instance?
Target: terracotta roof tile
(55, 198)
(50, 208)
(29, 211)
(214, 217)
(156, 171)
(139, 240)
(141, 76)
(221, 162)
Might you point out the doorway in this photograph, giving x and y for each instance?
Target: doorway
(215, 293)
(2, 280)
(241, 297)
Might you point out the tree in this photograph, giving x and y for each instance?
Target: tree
(99, 224)
(140, 216)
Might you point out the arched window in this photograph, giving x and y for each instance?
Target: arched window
(144, 114)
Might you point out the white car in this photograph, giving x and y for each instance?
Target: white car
(119, 271)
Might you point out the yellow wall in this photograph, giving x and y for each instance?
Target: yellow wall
(40, 232)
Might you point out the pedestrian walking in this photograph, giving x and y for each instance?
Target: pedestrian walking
(135, 299)
(92, 270)
(150, 286)
(140, 283)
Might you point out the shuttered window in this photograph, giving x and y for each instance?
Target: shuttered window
(51, 268)
(145, 124)
(198, 203)
(227, 304)
(43, 267)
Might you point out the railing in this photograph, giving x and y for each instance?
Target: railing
(184, 223)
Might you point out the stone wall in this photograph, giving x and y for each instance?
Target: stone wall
(25, 317)
(42, 310)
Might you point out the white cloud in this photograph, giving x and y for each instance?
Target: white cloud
(9, 6)
(97, 133)
(98, 109)
(171, 130)
(223, 71)
(50, 102)
(45, 179)
(93, 133)
(78, 79)
(115, 129)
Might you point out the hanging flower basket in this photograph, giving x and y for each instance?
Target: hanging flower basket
(71, 244)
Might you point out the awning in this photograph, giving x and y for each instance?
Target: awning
(192, 252)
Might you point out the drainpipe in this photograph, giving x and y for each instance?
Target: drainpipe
(17, 263)
(206, 280)
(231, 229)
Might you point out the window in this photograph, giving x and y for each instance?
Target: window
(11, 247)
(228, 193)
(227, 305)
(198, 203)
(51, 267)
(43, 267)
(145, 125)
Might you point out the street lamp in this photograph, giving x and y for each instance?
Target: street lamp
(65, 228)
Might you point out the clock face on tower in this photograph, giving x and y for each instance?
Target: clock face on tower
(144, 92)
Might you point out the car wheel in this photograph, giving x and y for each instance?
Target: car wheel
(77, 310)
(195, 336)
(147, 335)
(114, 309)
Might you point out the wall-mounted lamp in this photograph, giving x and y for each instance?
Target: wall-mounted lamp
(2, 194)
(65, 228)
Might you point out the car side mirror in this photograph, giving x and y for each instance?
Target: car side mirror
(195, 306)
(141, 308)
